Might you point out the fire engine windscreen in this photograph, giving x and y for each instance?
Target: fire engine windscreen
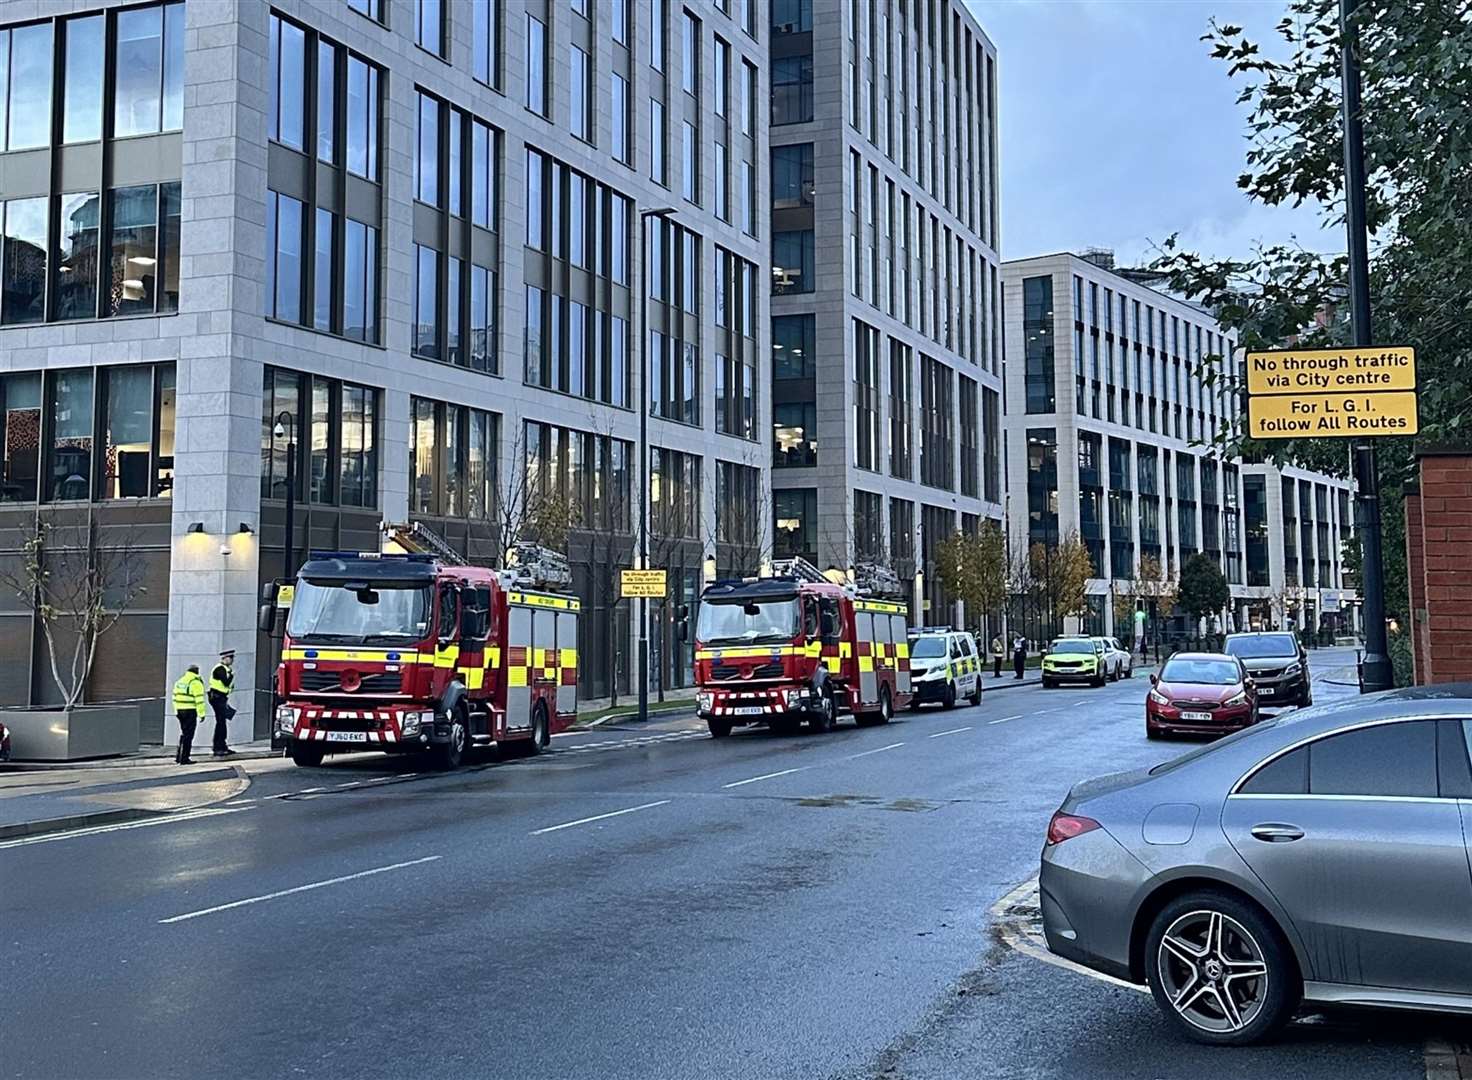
(746, 622)
(351, 612)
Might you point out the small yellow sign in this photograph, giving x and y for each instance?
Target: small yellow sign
(285, 595)
(1330, 415)
(1325, 371)
(642, 583)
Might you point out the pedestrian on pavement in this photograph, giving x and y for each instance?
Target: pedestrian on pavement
(222, 681)
(1019, 655)
(999, 653)
(188, 708)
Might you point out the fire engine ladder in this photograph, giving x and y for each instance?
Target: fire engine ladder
(800, 568)
(414, 539)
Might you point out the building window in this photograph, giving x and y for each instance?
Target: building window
(792, 262)
(484, 354)
(360, 282)
(426, 301)
(371, 8)
(868, 540)
(334, 428)
(659, 16)
(362, 106)
(937, 424)
(657, 169)
(689, 163)
(619, 118)
(536, 65)
(1037, 328)
(722, 184)
(145, 259)
(137, 404)
(991, 419)
(82, 92)
(322, 270)
(738, 521)
(902, 535)
(795, 523)
(23, 262)
(283, 292)
(429, 26)
(25, 82)
(901, 396)
(427, 160)
(748, 95)
(722, 76)
(674, 494)
(792, 176)
(690, 58)
(866, 396)
(794, 434)
(20, 415)
(453, 457)
(535, 360)
(485, 46)
(970, 438)
(792, 90)
(70, 465)
(286, 111)
(579, 94)
(77, 256)
(149, 80)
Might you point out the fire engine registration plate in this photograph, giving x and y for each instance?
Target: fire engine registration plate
(747, 710)
(1204, 716)
(347, 736)
(1265, 691)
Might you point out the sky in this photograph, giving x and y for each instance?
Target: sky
(1118, 129)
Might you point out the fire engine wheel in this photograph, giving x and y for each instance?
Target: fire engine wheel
(539, 737)
(308, 755)
(826, 718)
(882, 715)
(448, 755)
(719, 729)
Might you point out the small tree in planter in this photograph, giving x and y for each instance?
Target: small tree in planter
(1204, 589)
(77, 583)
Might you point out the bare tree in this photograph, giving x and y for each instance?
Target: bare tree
(77, 582)
(532, 509)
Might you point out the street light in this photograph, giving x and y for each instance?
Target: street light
(639, 306)
(286, 429)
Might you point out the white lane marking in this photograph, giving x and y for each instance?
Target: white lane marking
(311, 790)
(764, 776)
(239, 802)
(298, 889)
(350, 783)
(953, 731)
(599, 817)
(878, 750)
(96, 830)
(1004, 719)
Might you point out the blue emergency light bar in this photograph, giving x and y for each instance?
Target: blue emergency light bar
(416, 557)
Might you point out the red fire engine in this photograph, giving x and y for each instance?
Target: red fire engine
(406, 653)
(797, 646)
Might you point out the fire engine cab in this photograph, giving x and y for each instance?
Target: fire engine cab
(410, 653)
(798, 646)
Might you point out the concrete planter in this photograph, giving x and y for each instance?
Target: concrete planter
(71, 734)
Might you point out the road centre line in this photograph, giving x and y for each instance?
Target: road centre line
(1004, 719)
(953, 731)
(96, 830)
(764, 776)
(298, 889)
(599, 817)
(877, 750)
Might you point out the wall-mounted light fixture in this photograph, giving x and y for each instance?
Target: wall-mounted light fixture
(710, 569)
(195, 527)
(245, 529)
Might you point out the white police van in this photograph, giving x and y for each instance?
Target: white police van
(945, 665)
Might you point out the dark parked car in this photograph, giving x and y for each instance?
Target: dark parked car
(1321, 856)
(1278, 665)
(1200, 694)
(4, 743)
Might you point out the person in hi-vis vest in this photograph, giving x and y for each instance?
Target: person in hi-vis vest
(189, 709)
(222, 681)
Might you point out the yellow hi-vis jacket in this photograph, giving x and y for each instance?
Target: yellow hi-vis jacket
(222, 679)
(189, 693)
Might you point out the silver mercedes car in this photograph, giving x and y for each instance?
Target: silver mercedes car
(1320, 856)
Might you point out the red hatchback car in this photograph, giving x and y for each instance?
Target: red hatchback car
(1200, 694)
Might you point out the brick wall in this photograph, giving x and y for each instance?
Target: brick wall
(1416, 573)
(1446, 543)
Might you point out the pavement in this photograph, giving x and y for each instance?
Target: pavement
(636, 902)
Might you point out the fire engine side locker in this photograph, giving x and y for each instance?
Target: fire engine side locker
(542, 649)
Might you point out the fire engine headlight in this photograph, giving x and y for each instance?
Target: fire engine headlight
(409, 722)
(286, 718)
(705, 700)
(795, 698)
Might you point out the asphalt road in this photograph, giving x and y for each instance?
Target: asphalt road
(639, 904)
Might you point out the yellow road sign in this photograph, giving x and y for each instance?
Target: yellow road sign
(638, 583)
(285, 595)
(1324, 371)
(1330, 415)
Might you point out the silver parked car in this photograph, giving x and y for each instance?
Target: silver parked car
(1319, 856)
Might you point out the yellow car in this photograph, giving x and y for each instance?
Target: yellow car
(1074, 659)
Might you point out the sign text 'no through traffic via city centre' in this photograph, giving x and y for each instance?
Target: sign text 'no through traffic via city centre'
(1332, 393)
